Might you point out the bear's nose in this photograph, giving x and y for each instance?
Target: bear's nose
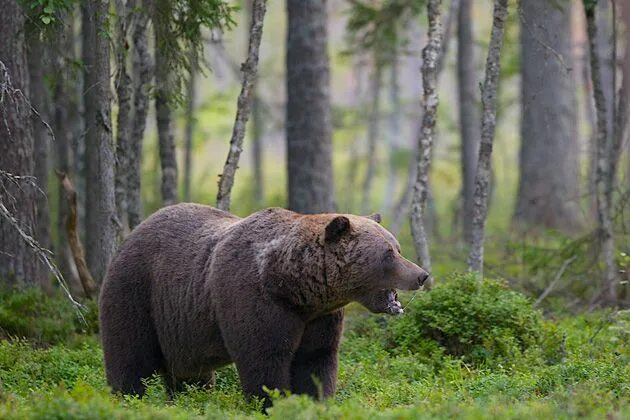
(423, 278)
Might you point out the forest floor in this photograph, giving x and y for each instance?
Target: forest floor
(529, 367)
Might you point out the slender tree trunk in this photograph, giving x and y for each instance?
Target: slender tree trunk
(100, 195)
(18, 265)
(142, 75)
(372, 135)
(604, 217)
(124, 90)
(249, 68)
(393, 133)
(430, 56)
(257, 130)
(163, 104)
(308, 117)
(402, 205)
(36, 63)
(488, 125)
(468, 112)
(189, 129)
(66, 121)
(548, 194)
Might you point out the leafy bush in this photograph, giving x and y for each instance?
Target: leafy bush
(43, 319)
(480, 320)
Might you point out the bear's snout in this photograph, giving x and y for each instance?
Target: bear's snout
(422, 278)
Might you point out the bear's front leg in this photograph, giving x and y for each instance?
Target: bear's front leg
(262, 345)
(314, 368)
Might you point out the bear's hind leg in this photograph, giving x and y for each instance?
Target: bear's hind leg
(314, 367)
(130, 344)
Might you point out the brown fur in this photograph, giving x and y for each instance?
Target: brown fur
(194, 288)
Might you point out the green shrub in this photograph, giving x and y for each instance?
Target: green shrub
(480, 320)
(43, 319)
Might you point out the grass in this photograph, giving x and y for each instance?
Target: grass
(381, 375)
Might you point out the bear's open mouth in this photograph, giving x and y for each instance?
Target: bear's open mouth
(393, 305)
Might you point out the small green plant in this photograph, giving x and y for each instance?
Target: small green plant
(482, 321)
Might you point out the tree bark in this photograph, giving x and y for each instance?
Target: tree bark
(372, 134)
(66, 121)
(402, 205)
(468, 112)
(124, 90)
(308, 115)
(100, 196)
(608, 150)
(189, 129)
(488, 125)
(36, 63)
(249, 69)
(548, 194)
(142, 75)
(258, 131)
(163, 104)
(18, 266)
(430, 57)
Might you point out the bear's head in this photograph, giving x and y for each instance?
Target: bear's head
(370, 265)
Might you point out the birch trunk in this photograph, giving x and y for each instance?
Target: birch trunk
(468, 112)
(163, 111)
(142, 75)
(123, 125)
(249, 69)
(488, 125)
(430, 56)
(189, 129)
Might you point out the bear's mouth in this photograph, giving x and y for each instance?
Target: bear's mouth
(394, 306)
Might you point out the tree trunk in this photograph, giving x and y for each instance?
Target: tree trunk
(18, 265)
(402, 205)
(249, 69)
(123, 125)
(372, 135)
(36, 63)
(142, 75)
(548, 194)
(189, 129)
(468, 112)
(393, 134)
(100, 196)
(308, 116)
(66, 122)
(258, 131)
(430, 57)
(608, 150)
(488, 125)
(163, 111)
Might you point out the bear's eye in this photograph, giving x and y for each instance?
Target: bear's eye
(389, 256)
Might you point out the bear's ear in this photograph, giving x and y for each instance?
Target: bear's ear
(337, 227)
(376, 217)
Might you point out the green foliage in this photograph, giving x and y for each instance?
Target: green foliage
(180, 25)
(481, 320)
(46, 11)
(43, 319)
(588, 378)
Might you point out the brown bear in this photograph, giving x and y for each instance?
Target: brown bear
(194, 288)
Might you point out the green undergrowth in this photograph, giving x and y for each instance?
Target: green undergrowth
(468, 349)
